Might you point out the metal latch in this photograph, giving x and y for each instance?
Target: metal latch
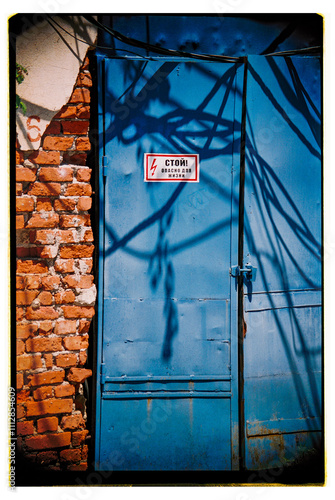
(249, 271)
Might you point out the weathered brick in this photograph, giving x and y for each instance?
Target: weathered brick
(43, 220)
(25, 428)
(84, 203)
(46, 457)
(75, 158)
(19, 381)
(85, 265)
(67, 112)
(48, 251)
(78, 375)
(32, 235)
(76, 251)
(80, 95)
(46, 441)
(50, 282)
(22, 252)
(42, 344)
(82, 358)
(65, 326)
(20, 347)
(31, 267)
(72, 422)
(64, 390)
(20, 411)
(57, 143)
(85, 64)
(75, 127)
(70, 455)
(18, 157)
(25, 297)
(78, 189)
(45, 327)
(84, 326)
(75, 343)
(19, 313)
(18, 188)
(22, 396)
(83, 174)
(41, 393)
(78, 437)
(45, 298)
(64, 266)
(48, 360)
(74, 220)
(19, 222)
(78, 312)
(25, 330)
(88, 236)
(55, 174)
(45, 157)
(28, 362)
(65, 297)
(84, 80)
(43, 204)
(77, 467)
(25, 204)
(45, 236)
(48, 407)
(65, 204)
(32, 282)
(47, 424)
(68, 235)
(66, 360)
(45, 378)
(84, 452)
(82, 111)
(44, 312)
(19, 282)
(24, 174)
(45, 189)
(53, 128)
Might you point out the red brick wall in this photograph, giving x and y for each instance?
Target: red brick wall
(55, 291)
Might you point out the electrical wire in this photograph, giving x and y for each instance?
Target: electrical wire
(293, 52)
(94, 45)
(161, 50)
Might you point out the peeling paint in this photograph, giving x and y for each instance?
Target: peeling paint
(53, 62)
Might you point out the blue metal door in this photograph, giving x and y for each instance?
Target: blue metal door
(283, 340)
(168, 385)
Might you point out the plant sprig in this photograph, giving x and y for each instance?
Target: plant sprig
(21, 72)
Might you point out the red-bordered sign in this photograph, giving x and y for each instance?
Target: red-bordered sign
(171, 168)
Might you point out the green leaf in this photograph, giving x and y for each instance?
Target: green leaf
(20, 104)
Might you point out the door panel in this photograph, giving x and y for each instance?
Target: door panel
(283, 343)
(167, 309)
(145, 431)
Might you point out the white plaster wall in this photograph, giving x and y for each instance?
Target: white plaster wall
(53, 61)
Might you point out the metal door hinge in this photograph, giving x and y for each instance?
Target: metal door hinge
(249, 271)
(103, 373)
(104, 165)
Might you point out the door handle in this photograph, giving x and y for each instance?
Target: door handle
(249, 271)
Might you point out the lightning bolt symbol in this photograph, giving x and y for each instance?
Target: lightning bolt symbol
(153, 167)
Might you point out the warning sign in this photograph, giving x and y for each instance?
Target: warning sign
(171, 168)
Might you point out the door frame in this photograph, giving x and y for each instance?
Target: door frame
(236, 248)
